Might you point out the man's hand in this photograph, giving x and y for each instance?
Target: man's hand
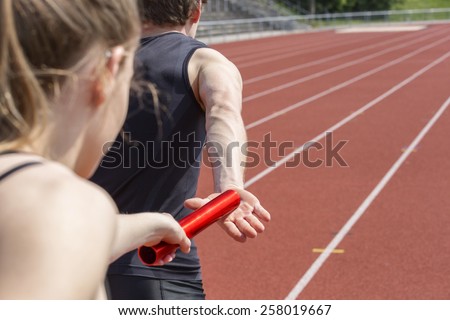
(245, 222)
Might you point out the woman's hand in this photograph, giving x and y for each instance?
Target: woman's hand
(170, 232)
(149, 229)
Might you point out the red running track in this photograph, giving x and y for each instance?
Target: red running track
(374, 227)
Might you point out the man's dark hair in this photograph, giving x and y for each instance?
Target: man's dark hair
(166, 12)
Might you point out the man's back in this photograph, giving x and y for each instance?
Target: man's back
(156, 166)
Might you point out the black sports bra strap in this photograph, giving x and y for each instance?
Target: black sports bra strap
(17, 168)
(8, 152)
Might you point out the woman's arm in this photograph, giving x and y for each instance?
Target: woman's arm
(58, 234)
(135, 230)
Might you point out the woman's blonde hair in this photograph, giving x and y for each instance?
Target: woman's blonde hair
(40, 41)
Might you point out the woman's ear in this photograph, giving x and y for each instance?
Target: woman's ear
(104, 81)
(115, 56)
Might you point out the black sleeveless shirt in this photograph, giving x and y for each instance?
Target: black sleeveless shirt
(154, 165)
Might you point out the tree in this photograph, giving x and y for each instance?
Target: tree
(368, 5)
(325, 6)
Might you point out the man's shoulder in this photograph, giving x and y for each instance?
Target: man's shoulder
(209, 57)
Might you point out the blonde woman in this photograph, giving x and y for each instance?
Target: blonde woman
(65, 70)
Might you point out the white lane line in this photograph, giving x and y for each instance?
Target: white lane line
(333, 69)
(276, 49)
(307, 277)
(340, 124)
(382, 29)
(310, 49)
(293, 53)
(342, 85)
(331, 58)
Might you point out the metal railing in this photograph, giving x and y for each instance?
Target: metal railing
(223, 29)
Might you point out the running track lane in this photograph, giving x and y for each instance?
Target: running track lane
(403, 235)
(310, 206)
(340, 98)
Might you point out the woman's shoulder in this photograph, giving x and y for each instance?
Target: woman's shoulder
(51, 219)
(53, 193)
(50, 182)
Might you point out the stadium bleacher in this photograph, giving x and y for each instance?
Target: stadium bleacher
(223, 10)
(242, 9)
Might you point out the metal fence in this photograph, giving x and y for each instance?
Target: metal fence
(223, 30)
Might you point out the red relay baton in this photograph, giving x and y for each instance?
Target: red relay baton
(194, 223)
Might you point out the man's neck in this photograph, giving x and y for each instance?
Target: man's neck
(149, 30)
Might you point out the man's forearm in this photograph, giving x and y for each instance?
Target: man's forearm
(227, 151)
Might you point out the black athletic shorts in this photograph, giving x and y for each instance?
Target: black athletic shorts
(122, 287)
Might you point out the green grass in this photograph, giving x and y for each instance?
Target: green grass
(422, 4)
